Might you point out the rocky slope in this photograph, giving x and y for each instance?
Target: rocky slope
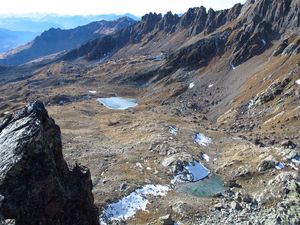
(56, 40)
(36, 185)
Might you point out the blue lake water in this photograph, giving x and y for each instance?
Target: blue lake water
(118, 103)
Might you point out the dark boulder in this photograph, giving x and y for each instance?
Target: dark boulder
(36, 184)
(288, 144)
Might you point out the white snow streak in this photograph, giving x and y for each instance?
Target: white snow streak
(129, 205)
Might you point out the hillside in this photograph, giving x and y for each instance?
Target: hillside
(56, 40)
(11, 39)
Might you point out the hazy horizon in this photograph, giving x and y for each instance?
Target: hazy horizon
(95, 7)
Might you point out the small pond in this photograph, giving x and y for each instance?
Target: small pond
(204, 188)
(118, 103)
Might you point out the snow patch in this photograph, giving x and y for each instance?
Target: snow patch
(206, 157)
(298, 82)
(159, 57)
(201, 139)
(129, 205)
(139, 165)
(296, 160)
(93, 92)
(279, 166)
(192, 172)
(232, 66)
(250, 104)
(173, 130)
(210, 86)
(118, 103)
(293, 166)
(191, 85)
(264, 41)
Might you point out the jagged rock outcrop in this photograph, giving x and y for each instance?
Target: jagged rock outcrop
(216, 19)
(195, 20)
(279, 14)
(145, 26)
(36, 184)
(168, 23)
(263, 22)
(194, 15)
(198, 19)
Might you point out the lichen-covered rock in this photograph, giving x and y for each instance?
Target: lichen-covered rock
(272, 92)
(289, 210)
(36, 184)
(266, 164)
(166, 220)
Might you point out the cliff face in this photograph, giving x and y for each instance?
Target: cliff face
(261, 23)
(36, 184)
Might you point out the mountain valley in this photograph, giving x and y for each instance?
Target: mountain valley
(201, 118)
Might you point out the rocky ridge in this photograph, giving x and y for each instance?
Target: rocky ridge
(194, 21)
(244, 30)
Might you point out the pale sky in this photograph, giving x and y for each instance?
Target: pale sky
(89, 7)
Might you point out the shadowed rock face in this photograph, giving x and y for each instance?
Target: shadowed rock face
(36, 184)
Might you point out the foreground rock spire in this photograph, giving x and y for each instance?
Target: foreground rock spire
(36, 184)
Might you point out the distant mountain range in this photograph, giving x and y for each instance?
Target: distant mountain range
(11, 39)
(38, 23)
(199, 36)
(56, 40)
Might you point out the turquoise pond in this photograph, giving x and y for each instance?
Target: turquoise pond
(204, 188)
